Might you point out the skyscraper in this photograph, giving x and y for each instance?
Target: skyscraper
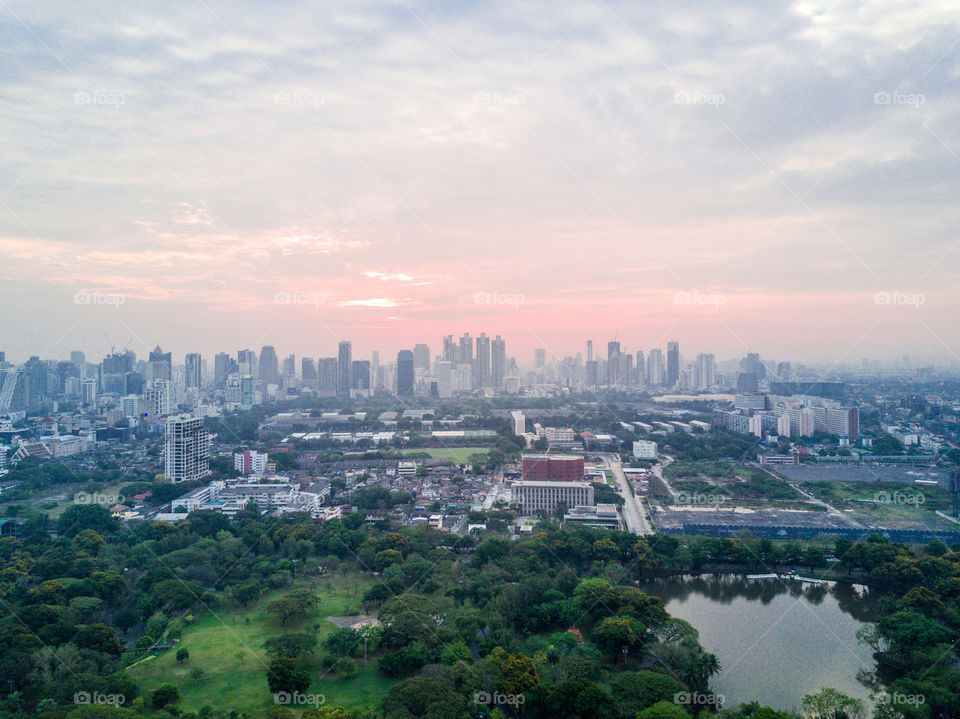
(655, 369)
(673, 363)
(159, 366)
(405, 373)
(498, 362)
(223, 365)
(641, 370)
(269, 370)
(308, 372)
(360, 376)
(421, 357)
(539, 358)
(481, 373)
(290, 366)
(705, 373)
(450, 350)
(193, 373)
(613, 363)
(327, 376)
(187, 449)
(465, 353)
(344, 368)
(589, 350)
(247, 362)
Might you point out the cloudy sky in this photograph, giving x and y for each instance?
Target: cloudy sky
(782, 177)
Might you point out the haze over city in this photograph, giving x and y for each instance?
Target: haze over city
(777, 178)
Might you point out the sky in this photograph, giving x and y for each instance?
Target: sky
(772, 177)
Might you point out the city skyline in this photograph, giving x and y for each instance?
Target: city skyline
(670, 171)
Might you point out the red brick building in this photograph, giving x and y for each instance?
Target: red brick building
(552, 467)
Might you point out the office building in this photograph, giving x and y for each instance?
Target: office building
(481, 373)
(673, 363)
(705, 371)
(344, 366)
(545, 498)
(269, 369)
(421, 358)
(552, 467)
(655, 368)
(642, 449)
(193, 370)
(405, 373)
(498, 362)
(613, 363)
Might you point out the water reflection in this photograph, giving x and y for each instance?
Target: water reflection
(777, 640)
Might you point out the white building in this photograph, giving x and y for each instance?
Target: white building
(537, 497)
(187, 449)
(250, 462)
(519, 423)
(643, 449)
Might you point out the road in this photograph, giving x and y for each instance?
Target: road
(634, 514)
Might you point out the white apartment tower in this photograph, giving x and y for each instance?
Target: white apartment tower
(187, 449)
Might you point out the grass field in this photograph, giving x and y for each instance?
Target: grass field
(460, 455)
(228, 648)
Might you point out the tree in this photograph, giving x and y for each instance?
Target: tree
(245, 592)
(636, 691)
(664, 710)
(163, 695)
(283, 675)
(518, 673)
(100, 638)
(343, 642)
(182, 655)
(79, 517)
(294, 604)
(291, 646)
(829, 703)
(614, 633)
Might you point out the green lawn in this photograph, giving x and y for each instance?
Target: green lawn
(229, 649)
(460, 455)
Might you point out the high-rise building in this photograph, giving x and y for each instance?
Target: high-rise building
(327, 376)
(655, 369)
(421, 358)
(519, 422)
(589, 350)
(269, 369)
(248, 391)
(450, 350)
(186, 454)
(405, 373)
(641, 369)
(308, 372)
(360, 376)
(344, 366)
(673, 363)
(705, 372)
(376, 372)
(613, 363)
(465, 351)
(592, 377)
(481, 372)
(498, 362)
(289, 366)
(248, 362)
(159, 365)
(193, 370)
(539, 358)
(223, 365)
(751, 364)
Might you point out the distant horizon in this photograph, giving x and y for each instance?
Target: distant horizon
(778, 177)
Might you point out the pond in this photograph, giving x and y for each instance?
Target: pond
(776, 641)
